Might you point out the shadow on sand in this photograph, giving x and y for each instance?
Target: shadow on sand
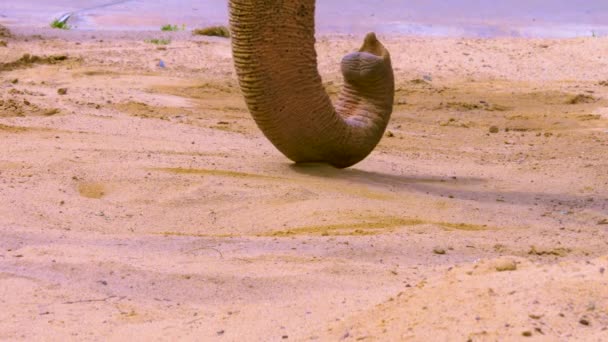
(463, 188)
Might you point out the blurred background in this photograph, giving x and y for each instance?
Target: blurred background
(469, 18)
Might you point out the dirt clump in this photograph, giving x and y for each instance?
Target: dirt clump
(28, 60)
(5, 32)
(581, 98)
(14, 107)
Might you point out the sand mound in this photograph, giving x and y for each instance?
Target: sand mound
(563, 300)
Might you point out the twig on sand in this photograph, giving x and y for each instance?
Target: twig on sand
(89, 300)
(211, 248)
(195, 320)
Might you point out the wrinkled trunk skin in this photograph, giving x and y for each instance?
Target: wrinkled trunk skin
(276, 62)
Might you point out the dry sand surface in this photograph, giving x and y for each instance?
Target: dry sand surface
(143, 202)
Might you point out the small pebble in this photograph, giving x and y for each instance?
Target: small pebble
(584, 321)
(439, 251)
(62, 91)
(526, 333)
(494, 129)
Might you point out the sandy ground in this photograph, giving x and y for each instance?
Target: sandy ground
(144, 203)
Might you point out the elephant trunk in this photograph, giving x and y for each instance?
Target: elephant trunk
(276, 63)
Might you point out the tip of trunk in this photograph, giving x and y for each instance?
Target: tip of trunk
(372, 45)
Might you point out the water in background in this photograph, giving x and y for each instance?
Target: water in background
(474, 18)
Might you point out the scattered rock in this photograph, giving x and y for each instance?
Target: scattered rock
(603, 222)
(526, 334)
(494, 129)
(62, 91)
(3, 43)
(584, 321)
(390, 134)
